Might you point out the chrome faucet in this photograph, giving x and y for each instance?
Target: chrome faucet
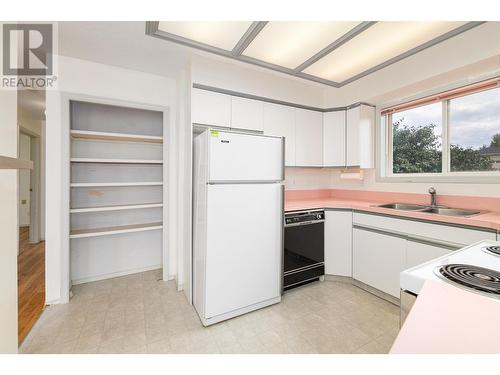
(432, 192)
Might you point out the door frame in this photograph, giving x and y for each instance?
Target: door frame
(35, 198)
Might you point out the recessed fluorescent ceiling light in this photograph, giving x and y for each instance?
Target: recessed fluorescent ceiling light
(222, 34)
(377, 44)
(289, 44)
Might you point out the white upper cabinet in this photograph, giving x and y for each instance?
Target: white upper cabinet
(279, 120)
(308, 138)
(247, 114)
(334, 139)
(352, 137)
(360, 136)
(210, 108)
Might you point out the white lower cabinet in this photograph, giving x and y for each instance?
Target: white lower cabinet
(338, 243)
(418, 253)
(378, 259)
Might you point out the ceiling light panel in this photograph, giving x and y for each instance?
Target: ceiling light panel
(377, 44)
(222, 34)
(289, 44)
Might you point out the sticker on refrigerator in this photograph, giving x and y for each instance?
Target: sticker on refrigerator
(214, 133)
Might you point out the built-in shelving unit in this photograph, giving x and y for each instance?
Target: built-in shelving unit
(115, 161)
(114, 184)
(123, 137)
(115, 208)
(116, 190)
(119, 229)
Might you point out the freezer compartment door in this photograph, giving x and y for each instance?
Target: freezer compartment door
(243, 157)
(244, 246)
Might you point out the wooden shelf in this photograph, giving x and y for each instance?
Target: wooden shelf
(115, 161)
(15, 163)
(106, 231)
(111, 184)
(115, 208)
(107, 136)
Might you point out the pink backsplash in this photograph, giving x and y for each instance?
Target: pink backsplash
(455, 201)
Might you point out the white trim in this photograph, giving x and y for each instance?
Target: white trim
(114, 184)
(385, 154)
(119, 229)
(113, 161)
(109, 136)
(115, 208)
(115, 274)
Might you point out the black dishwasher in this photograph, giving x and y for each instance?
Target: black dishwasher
(304, 250)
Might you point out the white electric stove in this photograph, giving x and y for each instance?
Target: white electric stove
(475, 268)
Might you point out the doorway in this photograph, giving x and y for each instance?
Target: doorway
(31, 210)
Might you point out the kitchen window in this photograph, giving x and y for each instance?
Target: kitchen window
(452, 134)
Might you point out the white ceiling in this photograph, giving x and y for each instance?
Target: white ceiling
(334, 53)
(122, 44)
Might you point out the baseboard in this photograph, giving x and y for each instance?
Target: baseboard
(342, 279)
(115, 274)
(376, 292)
(365, 287)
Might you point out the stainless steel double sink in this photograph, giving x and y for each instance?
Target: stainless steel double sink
(439, 210)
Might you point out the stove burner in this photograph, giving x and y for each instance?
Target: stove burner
(492, 249)
(473, 277)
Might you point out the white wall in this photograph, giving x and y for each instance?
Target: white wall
(24, 181)
(87, 78)
(309, 178)
(256, 81)
(28, 123)
(8, 224)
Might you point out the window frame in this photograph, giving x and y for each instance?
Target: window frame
(384, 138)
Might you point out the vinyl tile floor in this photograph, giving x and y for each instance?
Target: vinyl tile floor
(142, 314)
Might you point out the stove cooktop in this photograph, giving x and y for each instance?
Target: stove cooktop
(479, 279)
(492, 249)
(475, 268)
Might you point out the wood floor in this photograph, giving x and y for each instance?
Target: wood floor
(30, 282)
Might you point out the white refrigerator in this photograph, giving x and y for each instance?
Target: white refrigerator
(237, 223)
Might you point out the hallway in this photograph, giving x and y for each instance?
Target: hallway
(30, 281)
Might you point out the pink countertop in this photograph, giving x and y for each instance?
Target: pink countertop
(449, 320)
(295, 201)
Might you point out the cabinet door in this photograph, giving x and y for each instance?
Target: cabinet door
(210, 108)
(279, 120)
(352, 136)
(378, 259)
(366, 136)
(418, 253)
(360, 136)
(334, 138)
(338, 243)
(247, 114)
(308, 138)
